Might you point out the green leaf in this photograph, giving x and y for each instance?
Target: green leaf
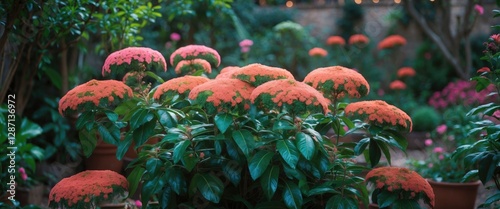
(374, 152)
(269, 181)
(151, 187)
(340, 202)
(141, 116)
(492, 199)
(305, 144)
(292, 195)
(143, 132)
(320, 190)
(486, 167)
(189, 161)
(223, 121)
(153, 166)
(176, 179)
(88, 140)
(134, 178)
(28, 130)
(406, 204)
(109, 133)
(385, 150)
(154, 76)
(283, 125)
(232, 170)
(259, 162)
(361, 146)
(244, 140)
(180, 149)
(210, 187)
(288, 152)
(167, 119)
(385, 198)
(123, 147)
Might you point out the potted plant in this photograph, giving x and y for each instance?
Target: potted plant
(484, 154)
(89, 189)
(396, 187)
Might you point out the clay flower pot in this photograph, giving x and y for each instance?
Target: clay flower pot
(455, 195)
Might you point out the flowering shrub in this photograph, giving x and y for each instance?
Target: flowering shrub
(406, 72)
(358, 39)
(460, 93)
(89, 189)
(397, 85)
(318, 52)
(335, 40)
(253, 136)
(133, 59)
(391, 42)
(399, 187)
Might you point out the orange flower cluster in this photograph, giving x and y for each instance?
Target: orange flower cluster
(87, 187)
(394, 179)
(397, 85)
(134, 57)
(483, 69)
(227, 72)
(191, 52)
(295, 96)
(257, 74)
(406, 72)
(222, 94)
(337, 81)
(180, 85)
(335, 40)
(94, 92)
(358, 39)
(319, 52)
(391, 41)
(191, 66)
(380, 113)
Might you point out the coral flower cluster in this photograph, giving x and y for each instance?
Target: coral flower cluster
(336, 82)
(87, 188)
(191, 52)
(294, 96)
(222, 95)
(335, 40)
(406, 72)
(191, 66)
(397, 85)
(317, 52)
(358, 39)
(402, 180)
(178, 86)
(378, 112)
(391, 41)
(257, 74)
(133, 59)
(92, 94)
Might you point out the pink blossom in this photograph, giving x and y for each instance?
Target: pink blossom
(138, 203)
(430, 165)
(24, 176)
(21, 170)
(380, 92)
(175, 36)
(441, 157)
(479, 9)
(438, 150)
(168, 45)
(246, 43)
(428, 142)
(441, 129)
(495, 38)
(346, 128)
(451, 138)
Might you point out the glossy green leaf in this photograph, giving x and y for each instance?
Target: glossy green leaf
(340, 202)
(153, 166)
(88, 140)
(166, 118)
(151, 187)
(134, 178)
(374, 153)
(143, 133)
(109, 133)
(232, 171)
(189, 161)
(292, 196)
(406, 204)
(283, 125)
(361, 146)
(176, 179)
(141, 116)
(244, 140)
(210, 187)
(385, 198)
(259, 162)
(223, 121)
(288, 152)
(123, 147)
(305, 145)
(180, 149)
(269, 181)
(84, 119)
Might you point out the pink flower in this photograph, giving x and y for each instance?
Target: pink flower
(438, 150)
(21, 170)
(245, 49)
(24, 176)
(430, 165)
(168, 45)
(138, 203)
(441, 129)
(495, 38)
(451, 138)
(428, 142)
(479, 9)
(175, 36)
(246, 43)
(441, 157)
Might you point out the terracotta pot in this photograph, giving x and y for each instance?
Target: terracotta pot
(104, 158)
(114, 206)
(455, 195)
